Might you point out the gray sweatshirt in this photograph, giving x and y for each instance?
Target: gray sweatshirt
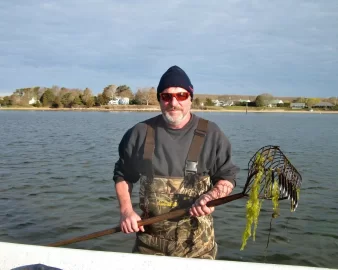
(171, 150)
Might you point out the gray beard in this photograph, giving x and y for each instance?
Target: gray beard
(167, 118)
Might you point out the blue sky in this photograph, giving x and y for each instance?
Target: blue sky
(286, 48)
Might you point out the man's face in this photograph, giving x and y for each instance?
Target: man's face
(176, 110)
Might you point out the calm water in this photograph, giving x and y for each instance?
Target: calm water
(56, 182)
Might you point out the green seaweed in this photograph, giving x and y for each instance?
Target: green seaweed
(275, 197)
(254, 204)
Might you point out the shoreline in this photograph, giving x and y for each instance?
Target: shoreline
(157, 109)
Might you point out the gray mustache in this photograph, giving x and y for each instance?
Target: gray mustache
(174, 109)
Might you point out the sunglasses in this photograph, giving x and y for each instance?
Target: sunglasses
(181, 96)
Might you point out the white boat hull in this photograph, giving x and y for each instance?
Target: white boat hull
(18, 255)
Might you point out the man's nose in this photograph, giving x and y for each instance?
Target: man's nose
(174, 101)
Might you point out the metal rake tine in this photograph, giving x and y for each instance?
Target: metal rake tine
(283, 184)
(295, 205)
(280, 183)
(271, 159)
(289, 190)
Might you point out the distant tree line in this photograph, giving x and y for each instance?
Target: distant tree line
(265, 99)
(62, 97)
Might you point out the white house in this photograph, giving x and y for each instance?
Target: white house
(222, 103)
(32, 101)
(323, 104)
(124, 101)
(244, 100)
(275, 102)
(297, 105)
(113, 102)
(228, 103)
(119, 101)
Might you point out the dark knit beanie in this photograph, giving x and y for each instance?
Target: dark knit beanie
(175, 77)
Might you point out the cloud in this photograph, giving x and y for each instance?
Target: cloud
(248, 47)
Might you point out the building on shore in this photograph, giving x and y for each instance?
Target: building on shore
(298, 105)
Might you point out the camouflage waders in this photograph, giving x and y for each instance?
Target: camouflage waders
(185, 237)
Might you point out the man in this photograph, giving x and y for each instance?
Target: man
(180, 161)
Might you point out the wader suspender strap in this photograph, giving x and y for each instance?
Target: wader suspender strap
(194, 150)
(196, 147)
(149, 147)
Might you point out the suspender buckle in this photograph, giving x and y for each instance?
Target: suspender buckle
(190, 167)
(200, 133)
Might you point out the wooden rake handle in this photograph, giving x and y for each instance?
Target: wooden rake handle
(170, 215)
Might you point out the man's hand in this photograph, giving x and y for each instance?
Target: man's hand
(222, 189)
(200, 208)
(128, 217)
(128, 222)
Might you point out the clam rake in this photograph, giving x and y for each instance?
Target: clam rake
(268, 167)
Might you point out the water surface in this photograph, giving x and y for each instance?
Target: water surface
(56, 182)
